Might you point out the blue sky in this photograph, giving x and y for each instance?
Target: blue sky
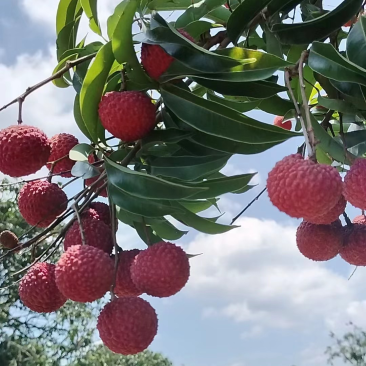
(252, 299)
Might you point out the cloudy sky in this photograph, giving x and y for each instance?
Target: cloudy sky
(252, 299)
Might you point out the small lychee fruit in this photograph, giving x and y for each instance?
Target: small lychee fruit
(352, 21)
(302, 188)
(127, 325)
(38, 290)
(155, 60)
(161, 270)
(90, 181)
(361, 219)
(103, 212)
(331, 215)
(40, 202)
(8, 239)
(355, 184)
(278, 121)
(84, 273)
(96, 233)
(319, 242)
(61, 145)
(354, 245)
(124, 285)
(128, 115)
(23, 150)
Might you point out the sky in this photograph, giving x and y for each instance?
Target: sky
(252, 298)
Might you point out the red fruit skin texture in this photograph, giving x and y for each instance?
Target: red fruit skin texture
(90, 181)
(23, 150)
(124, 285)
(354, 245)
(91, 214)
(127, 325)
(84, 273)
(40, 202)
(319, 242)
(128, 115)
(61, 145)
(355, 184)
(155, 60)
(331, 215)
(278, 121)
(302, 188)
(97, 234)
(162, 270)
(361, 219)
(102, 211)
(8, 239)
(38, 290)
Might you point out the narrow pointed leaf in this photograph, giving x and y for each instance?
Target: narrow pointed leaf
(79, 119)
(356, 43)
(90, 9)
(146, 234)
(167, 230)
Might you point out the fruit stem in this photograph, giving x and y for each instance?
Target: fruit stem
(112, 208)
(347, 219)
(82, 234)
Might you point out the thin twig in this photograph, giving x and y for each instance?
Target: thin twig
(216, 39)
(148, 239)
(352, 273)
(112, 207)
(347, 219)
(82, 234)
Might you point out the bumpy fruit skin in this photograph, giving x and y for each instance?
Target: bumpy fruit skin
(361, 219)
(8, 239)
(319, 242)
(97, 234)
(162, 270)
(331, 215)
(354, 245)
(23, 150)
(124, 285)
(127, 325)
(103, 211)
(278, 121)
(38, 290)
(61, 145)
(155, 60)
(302, 188)
(355, 184)
(40, 202)
(128, 115)
(84, 273)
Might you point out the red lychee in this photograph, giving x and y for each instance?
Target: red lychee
(97, 234)
(128, 115)
(8, 239)
(319, 242)
(331, 215)
(162, 270)
(38, 290)
(350, 22)
(61, 145)
(278, 121)
(354, 245)
(302, 188)
(23, 150)
(84, 273)
(103, 212)
(155, 60)
(40, 202)
(124, 285)
(127, 325)
(355, 184)
(361, 219)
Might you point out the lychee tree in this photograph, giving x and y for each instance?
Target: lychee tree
(162, 107)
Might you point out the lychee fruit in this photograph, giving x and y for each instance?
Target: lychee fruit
(278, 121)
(38, 290)
(61, 145)
(84, 273)
(162, 270)
(23, 150)
(350, 22)
(155, 60)
(124, 285)
(103, 212)
(319, 242)
(90, 181)
(127, 325)
(355, 184)
(40, 202)
(354, 245)
(361, 219)
(8, 239)
(302, 188)
(96, 233)
(128, 115)
(331, 215)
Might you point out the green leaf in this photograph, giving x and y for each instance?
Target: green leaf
(90, 9)
(276, 105)
(66, 38)
(356, 43)
(337, 105)
(67, 11)
(92, 90)
(168, 136)
(318, 28)
(167, 230)
(80, 152)
(84, 170)
(282, 5)
(195, 29)
(238, 106)
(129, 218)
(273, 45)
(62, 81)
(146, 234)
(325, 60)
(146, 186)
(79, 119)
(242, 17)
(198, 206)
(355, 138)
